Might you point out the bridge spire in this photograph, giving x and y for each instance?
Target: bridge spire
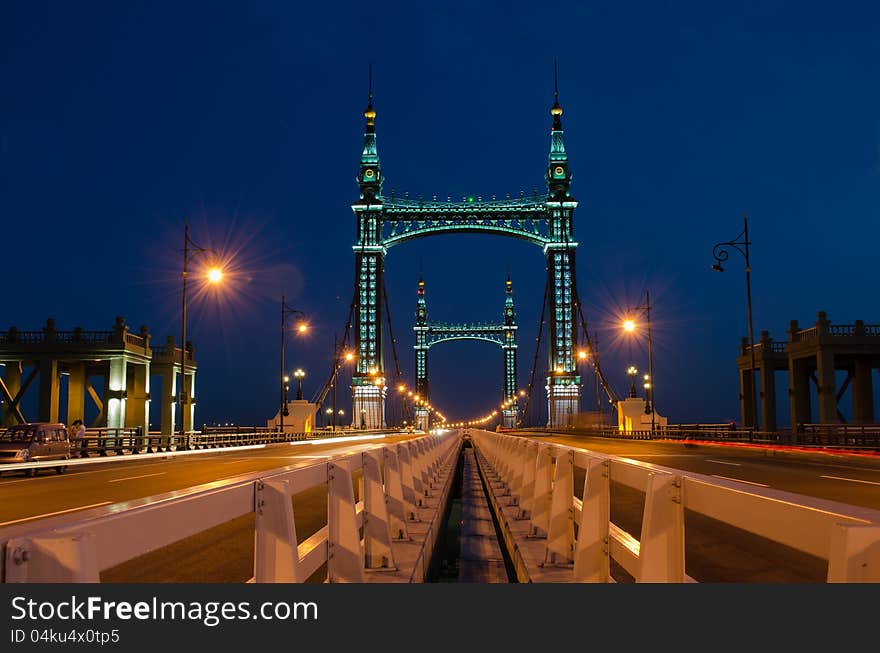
(558, 174)
(421, 308)
(509, 314)
(370, 176)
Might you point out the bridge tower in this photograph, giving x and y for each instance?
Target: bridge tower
(546, 221)
(420, 414)
(368, 379)
(563, 382)
(509, 415)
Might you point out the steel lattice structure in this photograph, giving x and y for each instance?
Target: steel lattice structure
(502, 334)
(545, 220)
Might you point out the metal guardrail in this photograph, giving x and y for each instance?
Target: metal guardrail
(532, 487)
(822, 436)
(398, 512)
(133, 441)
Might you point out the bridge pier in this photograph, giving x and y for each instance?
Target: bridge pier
(368, 406)
(863, 392)
(12, 380)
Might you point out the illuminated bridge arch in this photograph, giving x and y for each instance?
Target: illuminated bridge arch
(429, 334)
(383, 222)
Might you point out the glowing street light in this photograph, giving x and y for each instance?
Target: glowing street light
(214, 276)
(299, 374)
(302, 328)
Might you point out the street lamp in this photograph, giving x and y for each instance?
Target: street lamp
(214, 276)
(629, 326)
(299, 374)
(740, 244)
(301, 328)
(633, 372)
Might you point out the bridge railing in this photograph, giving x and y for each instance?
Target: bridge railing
(391, 512)
(854, 436)
(119, 441)
(532, 487)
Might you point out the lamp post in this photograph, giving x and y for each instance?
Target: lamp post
(741, 244)
(214, 275)
(633, 372)
(302, 328)
(630, 326)
(300, 375)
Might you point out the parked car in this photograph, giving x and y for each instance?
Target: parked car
(35, 442)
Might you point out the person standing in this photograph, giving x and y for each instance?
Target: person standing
(77, 437)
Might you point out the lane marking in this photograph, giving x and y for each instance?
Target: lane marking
(721, 462)
(129, 478)
(57, 512)
(739, 480)
(853, 480)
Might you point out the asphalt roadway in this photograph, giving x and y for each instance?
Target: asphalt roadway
(222, 554)
(847, 478)
(714, 551)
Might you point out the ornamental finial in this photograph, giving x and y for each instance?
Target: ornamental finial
(556, 109)
(370, 112)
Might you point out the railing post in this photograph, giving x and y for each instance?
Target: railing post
(527, 491)
(276, 557)
(854, 555)
(592, 555)
(543, 491)
(661, 550)
(59, 559)
(394, 495)
(377, 528)
(345, 559)
(560, 537)
(407, 480)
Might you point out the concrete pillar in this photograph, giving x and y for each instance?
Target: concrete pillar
(747, 398)
(863, 392)
(189, 406)
(12, 379)
(827, 391)
(76, 393)
(768, 396)
(168, 397)
(49, 391)
(114, 393)
(137, 404)
(799, 391)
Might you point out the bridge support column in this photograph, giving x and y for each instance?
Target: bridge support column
(168, 380)
(863, 392)
(747, 398)
(115, 393)
(768, 397)
(422, 421)
(138, 403)
(189, 405)
(827, 392)
(799, 391)
(12, 379)
(368, 406)
(76, 392)
(49, 390)
(563, 401)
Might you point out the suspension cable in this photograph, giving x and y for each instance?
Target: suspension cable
(337, 355)
(605, 386)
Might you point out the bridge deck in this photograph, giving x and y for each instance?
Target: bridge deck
(480, 558)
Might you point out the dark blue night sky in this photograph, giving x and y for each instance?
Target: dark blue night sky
(118, 121)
